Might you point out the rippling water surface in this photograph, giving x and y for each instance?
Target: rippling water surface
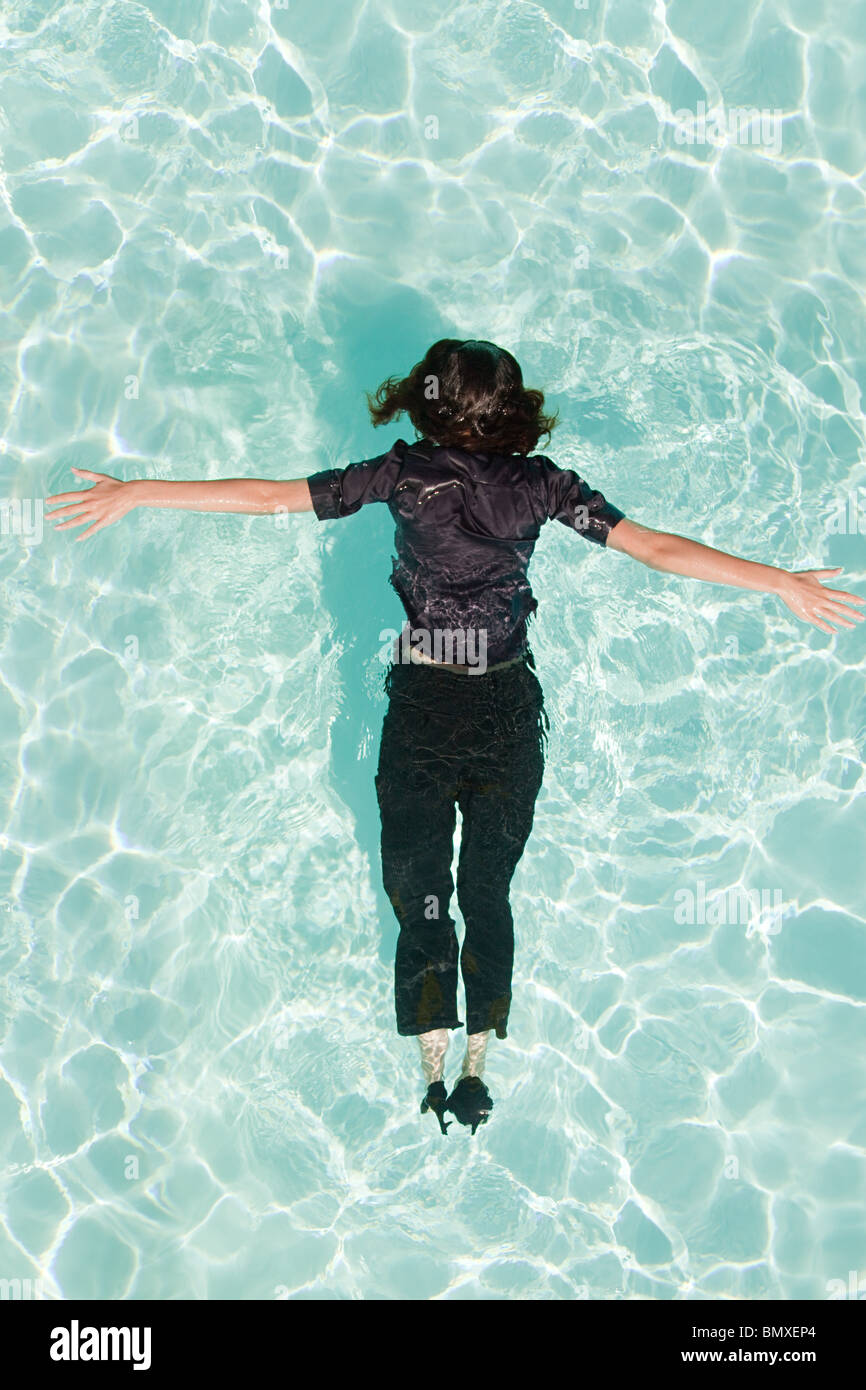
(221, 222)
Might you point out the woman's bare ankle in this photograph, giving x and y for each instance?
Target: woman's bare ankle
(433, 1046)
(476, 1054)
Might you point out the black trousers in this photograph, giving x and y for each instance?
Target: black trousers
(476, 742)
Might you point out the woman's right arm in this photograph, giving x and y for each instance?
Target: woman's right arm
(112, 498)
(799, 590)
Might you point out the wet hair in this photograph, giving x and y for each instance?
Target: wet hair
(469, 394)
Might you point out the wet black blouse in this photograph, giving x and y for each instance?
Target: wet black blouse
(466, 527)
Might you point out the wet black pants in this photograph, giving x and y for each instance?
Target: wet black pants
(476, 742)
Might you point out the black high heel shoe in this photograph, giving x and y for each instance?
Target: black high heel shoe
(470, 1102)
(435, 1100)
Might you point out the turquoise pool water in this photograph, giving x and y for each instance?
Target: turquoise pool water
(221, 223)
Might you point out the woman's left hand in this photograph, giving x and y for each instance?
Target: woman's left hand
(108, 501)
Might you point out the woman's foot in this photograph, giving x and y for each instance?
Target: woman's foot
(435, 1100)
(470, 1102)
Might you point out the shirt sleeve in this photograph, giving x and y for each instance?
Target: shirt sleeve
(571, 500)
(339, 492)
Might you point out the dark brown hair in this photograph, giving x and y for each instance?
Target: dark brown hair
(469, 394)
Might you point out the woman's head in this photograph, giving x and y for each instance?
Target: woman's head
(469, 394)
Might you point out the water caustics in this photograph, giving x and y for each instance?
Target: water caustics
(221, 223)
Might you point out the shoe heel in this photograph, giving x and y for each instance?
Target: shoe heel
(470, 1102)
(435, 1100)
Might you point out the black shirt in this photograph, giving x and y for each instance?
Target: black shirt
(466, 527)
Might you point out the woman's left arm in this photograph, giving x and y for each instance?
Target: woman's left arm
(112, 498)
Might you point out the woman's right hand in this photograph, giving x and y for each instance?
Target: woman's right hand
(805, 595)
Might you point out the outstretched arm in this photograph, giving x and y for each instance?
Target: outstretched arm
(112, 498)
(799, 590)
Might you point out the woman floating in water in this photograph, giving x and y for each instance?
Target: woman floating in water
(465, 723)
